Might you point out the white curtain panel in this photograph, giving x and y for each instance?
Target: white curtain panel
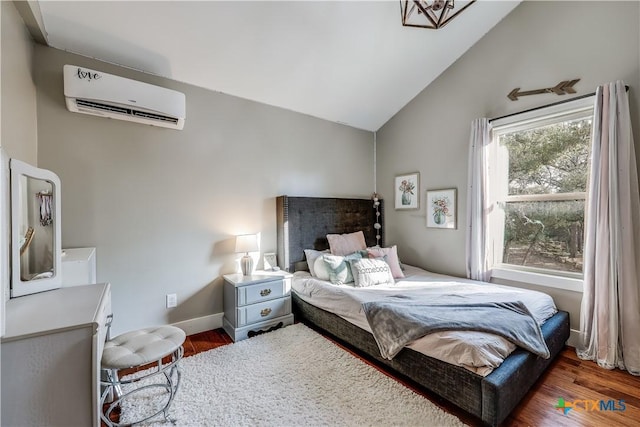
(478, 267)
(610, 318)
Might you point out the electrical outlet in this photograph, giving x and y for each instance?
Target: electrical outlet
(172, 300)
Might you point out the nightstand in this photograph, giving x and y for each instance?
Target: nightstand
(257, 303)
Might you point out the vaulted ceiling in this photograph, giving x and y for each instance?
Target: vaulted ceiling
(349, 62)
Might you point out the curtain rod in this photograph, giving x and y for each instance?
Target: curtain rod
(549, 105)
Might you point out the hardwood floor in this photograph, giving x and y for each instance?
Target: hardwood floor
(569, 378)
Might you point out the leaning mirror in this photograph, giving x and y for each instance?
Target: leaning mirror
(35, 229)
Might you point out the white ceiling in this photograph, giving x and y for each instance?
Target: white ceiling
(349, 62)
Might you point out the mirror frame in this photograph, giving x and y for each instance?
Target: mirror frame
(20, 287)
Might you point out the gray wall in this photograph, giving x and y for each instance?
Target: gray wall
(162, 206)
(18, 120)
(537, 45)
(18, 124)
(18, 117)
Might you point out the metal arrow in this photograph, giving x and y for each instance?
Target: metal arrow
(561, 88)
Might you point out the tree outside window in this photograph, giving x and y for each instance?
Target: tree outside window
(542, 185)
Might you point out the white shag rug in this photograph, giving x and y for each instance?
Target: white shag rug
(289, 377)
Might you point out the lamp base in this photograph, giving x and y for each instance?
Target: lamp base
(246, 263)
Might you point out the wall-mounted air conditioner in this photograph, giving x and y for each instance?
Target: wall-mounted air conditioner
(100, 94)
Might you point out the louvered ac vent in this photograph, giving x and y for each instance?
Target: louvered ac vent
(154, 116)
(127, 111)
(103, 107)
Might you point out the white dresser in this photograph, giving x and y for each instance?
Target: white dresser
(51, 357)
(256, 303)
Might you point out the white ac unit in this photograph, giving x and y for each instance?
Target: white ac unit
(100, 94)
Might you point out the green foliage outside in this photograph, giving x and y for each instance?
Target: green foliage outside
(548, 160)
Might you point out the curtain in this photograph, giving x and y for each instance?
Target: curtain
(610, 316)
(477, 251)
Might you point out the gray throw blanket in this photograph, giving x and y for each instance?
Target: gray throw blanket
(395, 324)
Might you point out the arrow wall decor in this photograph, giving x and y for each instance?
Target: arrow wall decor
(561, 88)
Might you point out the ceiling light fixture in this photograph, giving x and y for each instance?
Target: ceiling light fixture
(432, 14)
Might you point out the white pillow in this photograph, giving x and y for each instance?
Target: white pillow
(371, 272)
(392, 259)
(345, 244)
(312, 255)
(320, 268)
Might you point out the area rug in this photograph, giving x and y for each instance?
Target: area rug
(290, 377)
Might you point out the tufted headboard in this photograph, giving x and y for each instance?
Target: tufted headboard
(304, 222)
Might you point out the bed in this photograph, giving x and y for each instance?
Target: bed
(304, 222)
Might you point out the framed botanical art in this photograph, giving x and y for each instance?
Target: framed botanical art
(441, 208)
(407, 191)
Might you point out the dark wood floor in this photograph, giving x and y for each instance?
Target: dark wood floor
(568, 377)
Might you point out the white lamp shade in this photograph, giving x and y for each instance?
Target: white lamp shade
(247, 243)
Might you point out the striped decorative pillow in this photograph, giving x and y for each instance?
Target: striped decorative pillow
(339, 268)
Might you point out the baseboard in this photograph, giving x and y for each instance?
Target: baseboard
(574, 338)
(201, 324)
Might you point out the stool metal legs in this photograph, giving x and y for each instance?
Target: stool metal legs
(117, 390)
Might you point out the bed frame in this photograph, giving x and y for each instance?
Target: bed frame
(303, 222)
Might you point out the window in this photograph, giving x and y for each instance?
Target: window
(539, 170)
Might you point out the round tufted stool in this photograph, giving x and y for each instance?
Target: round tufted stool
(161, 349)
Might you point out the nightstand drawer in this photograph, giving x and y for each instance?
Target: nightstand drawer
(263, 311)
(248, 331)
(263, 291)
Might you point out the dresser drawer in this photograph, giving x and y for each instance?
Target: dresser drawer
(264, 291)
(263, 311)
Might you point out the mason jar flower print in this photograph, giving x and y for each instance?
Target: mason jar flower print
(407, 188)
(440, 209)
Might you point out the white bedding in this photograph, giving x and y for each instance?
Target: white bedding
(477, 351)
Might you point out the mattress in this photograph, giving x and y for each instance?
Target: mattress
(478, 352)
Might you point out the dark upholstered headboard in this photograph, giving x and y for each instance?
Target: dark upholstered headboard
(304, 222)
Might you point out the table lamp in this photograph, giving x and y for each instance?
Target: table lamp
(247, 243)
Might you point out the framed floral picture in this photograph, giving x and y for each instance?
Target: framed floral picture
(441, 208)
(407, 191)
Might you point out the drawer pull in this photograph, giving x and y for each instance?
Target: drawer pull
(265, 312)
(265, 292)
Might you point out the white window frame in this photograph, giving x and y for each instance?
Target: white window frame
(571, 110)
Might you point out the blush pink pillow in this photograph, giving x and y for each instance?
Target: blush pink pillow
(345, 244)
(392, 259)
